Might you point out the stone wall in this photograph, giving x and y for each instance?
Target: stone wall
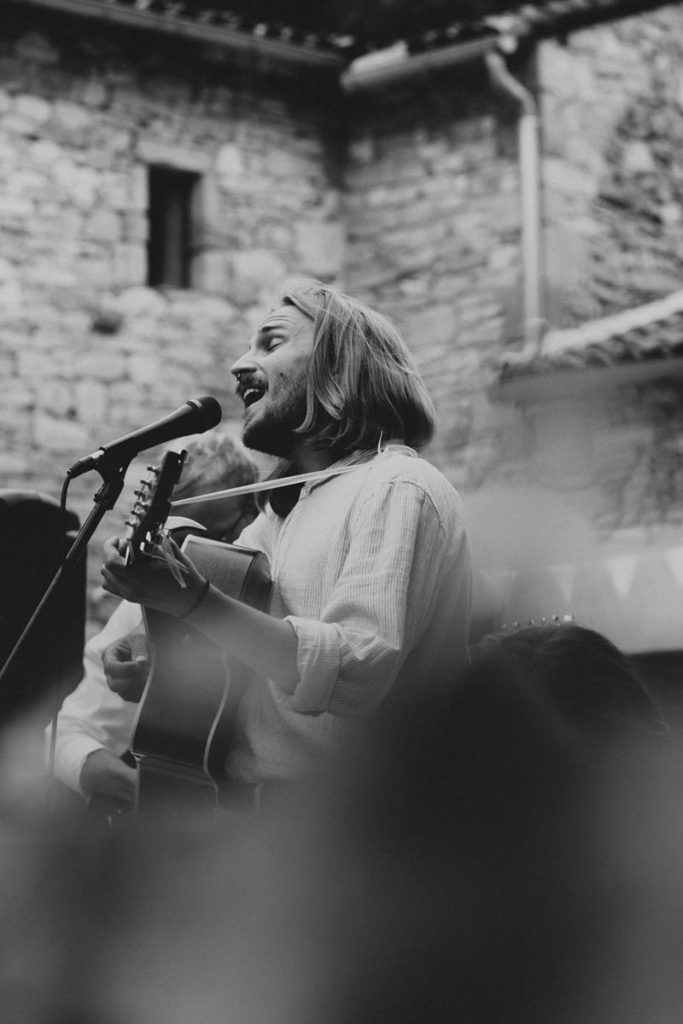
(433, 213)
(432, 203)
(612, 110)
(611, 101)
(408, 196)
(87, 351)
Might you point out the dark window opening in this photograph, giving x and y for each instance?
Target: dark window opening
(170, 243)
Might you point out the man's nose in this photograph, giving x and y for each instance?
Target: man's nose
(245, 364)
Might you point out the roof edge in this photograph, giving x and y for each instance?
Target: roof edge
(596, 331)
(363, 75)
(201, 32)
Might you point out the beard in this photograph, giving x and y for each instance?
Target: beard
(272, 430)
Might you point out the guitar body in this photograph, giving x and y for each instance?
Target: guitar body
(186, 717)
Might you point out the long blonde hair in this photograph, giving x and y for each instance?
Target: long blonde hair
(363, 385)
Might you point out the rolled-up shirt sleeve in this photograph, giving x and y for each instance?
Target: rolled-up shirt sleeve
(349, 658)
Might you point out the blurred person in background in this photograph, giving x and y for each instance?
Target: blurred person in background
(94, 726)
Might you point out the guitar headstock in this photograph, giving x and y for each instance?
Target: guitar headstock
(152, 505)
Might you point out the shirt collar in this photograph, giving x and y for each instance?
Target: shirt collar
(359, 458)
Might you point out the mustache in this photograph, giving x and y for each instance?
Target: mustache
(247, 381)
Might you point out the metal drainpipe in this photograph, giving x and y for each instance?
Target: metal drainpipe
(530, 187)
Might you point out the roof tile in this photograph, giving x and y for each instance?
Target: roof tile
(653, 331)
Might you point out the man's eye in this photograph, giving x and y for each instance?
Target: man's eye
(273, 343)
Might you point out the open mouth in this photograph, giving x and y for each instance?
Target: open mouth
(252, 394)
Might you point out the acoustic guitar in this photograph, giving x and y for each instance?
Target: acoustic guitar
(186, 717)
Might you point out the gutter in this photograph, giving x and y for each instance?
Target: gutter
(530, 185)
(215, 35)
(366, 74)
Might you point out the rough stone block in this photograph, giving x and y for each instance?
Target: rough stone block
(138, 188)
(8, 271)
(565, 256)
(104, 226)
(229, 164)
(169, 154)
(36, 48)
(45, 152)
(56, 434)
(362, 151)
(72, 117)
(56, 399)
(13, 208)
(567, 178)
(321, 247)
(129, 265)
(79, 183)
(51, 274)
(11, 296)
(91, 93)
(432, 326)
(210, 271)
(139, 301)
(101, 363)
(114, 190)
(637, 158)
(33, 108)
(144, 368)
(254, 275)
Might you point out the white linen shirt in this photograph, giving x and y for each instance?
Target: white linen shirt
(372, 571)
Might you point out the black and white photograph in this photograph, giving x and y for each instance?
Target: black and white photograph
(341, 495)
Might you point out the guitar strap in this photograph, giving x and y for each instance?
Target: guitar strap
(270, 485)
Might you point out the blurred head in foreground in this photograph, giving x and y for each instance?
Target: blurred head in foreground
(472, 859)
(580, 676)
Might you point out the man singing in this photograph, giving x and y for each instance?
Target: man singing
(370, 564)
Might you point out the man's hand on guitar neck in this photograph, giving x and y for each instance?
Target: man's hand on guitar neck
(150, 582)
(126, 666)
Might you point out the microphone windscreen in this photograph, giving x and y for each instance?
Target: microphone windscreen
(210, 409)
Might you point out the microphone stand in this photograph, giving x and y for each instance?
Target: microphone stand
(104, 500)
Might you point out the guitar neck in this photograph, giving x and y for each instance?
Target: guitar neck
(152, 507)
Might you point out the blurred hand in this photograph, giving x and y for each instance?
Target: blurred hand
(150, 582)
(105, 774)
(126, 666)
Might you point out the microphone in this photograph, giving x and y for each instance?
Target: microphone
(194, 417)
